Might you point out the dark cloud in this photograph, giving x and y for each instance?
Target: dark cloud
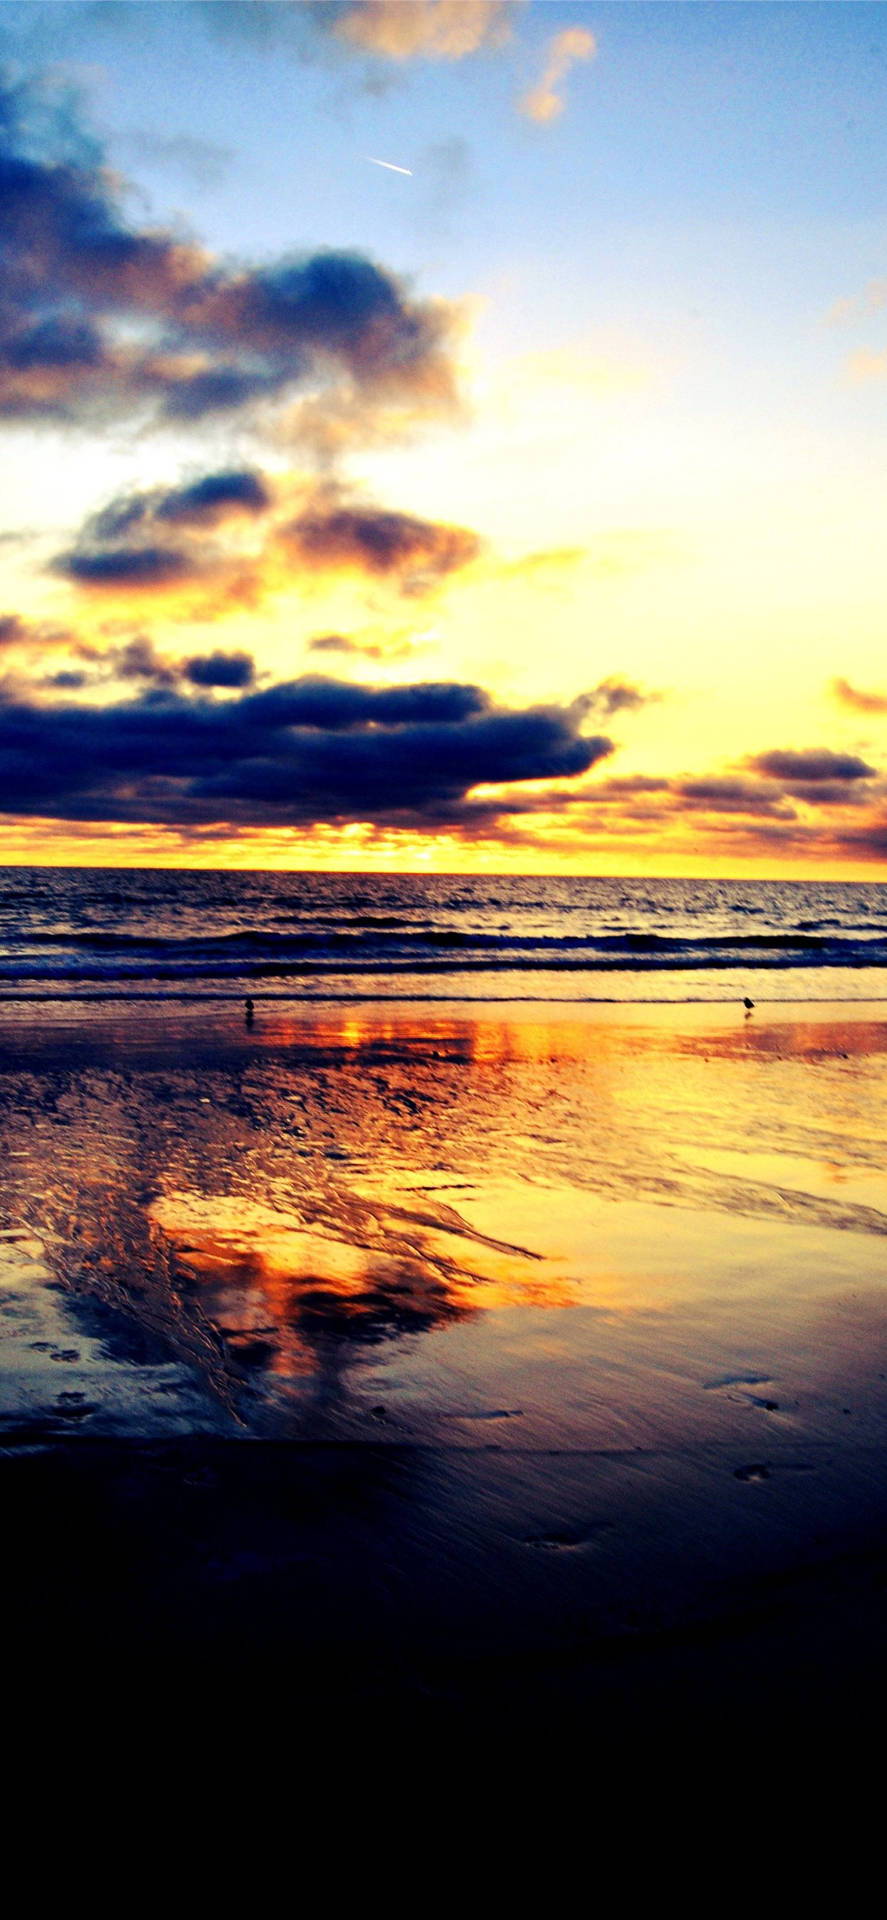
(13, 630)
(615, 696)
(204, 502)
(342, 706)
(220, 670)
(631, 784)
(309, 750)
(220, 389)
(138, 659)
(866, 842)
(214, 337)
(146, 566)
(829, 793)
(334, 535)
(214, 497)
(159, 538)
(811, 765)
(858, 699)
(721, 794)
(54, 345)
(67, 680)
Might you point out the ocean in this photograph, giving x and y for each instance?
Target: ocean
(137, 933)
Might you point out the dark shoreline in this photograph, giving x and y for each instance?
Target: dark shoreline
(282, 1574)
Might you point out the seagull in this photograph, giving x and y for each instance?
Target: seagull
(748, 1004)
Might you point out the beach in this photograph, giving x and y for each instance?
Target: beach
(454, 1357)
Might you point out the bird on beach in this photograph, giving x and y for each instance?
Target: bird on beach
(250, 1011)
(748, 1005)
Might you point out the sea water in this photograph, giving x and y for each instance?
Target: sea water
(157, 933)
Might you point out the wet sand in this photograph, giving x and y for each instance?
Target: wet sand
(451, 1363)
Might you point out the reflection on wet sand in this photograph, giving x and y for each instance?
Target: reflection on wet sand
(366, 1204)
(296, 1294)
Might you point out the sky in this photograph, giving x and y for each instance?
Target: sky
(444, 435)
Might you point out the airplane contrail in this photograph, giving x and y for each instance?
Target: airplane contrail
(390, 165)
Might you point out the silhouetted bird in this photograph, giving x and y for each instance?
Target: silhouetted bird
(250, 1011)
(748, 1004)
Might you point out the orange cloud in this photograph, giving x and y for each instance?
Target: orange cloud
(428, 29)
(857, 698)
(865, 365)
(854, 306)
(334, 533)
(544, 102)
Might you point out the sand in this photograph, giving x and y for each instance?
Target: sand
(452, 1362)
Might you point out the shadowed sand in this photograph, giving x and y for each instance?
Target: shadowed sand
(452, 1358)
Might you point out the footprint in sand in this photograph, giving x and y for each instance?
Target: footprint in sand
(568, 1539)
(74, 1406)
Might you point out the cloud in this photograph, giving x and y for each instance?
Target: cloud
(206, 501)
(857, 698)
(137, 659)
(444, 182)
(133, 523)
(858, 306)
(305, 751)
(382, 30)
(330, 424)
(722, 794)
(332, 533)
(867, 841)
(30, 642)
(67, 680)
(14, 632)
(864, 366)
(756, 803)
(815, 775)
(203, 163)
(340, 643)
(133, 567)
(330, 643)
(215, 497)
(220, 669)
(101, 318)
(426, 29)
(617, 696)
(544, 102)
(157, 540)
(812, 765)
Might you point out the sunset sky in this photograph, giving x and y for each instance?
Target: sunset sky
(444, 433)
